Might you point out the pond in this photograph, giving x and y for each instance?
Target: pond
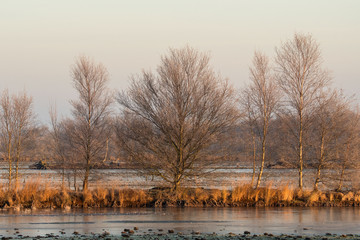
(289, 220)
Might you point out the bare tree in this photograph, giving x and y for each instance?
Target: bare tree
(17, 125)
(301, 77)
(7, 132)
(59, 145)
(75, 164)
(281, 146)
(24, 124)
(329, 121)
(172, 120)
(250, 119)
(348, 145)
(90, 112)
(261, 98)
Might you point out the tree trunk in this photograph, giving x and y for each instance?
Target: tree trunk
(262, 160)
(17, 166)
(176, 184)
(263, 149)
(18, 150)
(17, 174)
(254, 160)
(63, 178)
(69, 180)
(106, 150)
(321, 161)
(317, 179)
(10, 170)
(301, 147)
(86, 178)
(341, 178)
(75, 187)
(10, 164)
(343, 168)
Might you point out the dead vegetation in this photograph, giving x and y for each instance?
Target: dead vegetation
(34, 195)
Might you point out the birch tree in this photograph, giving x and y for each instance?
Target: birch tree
(249, 124)
(261, 98)
(7, 132)
(300, 76)
(91, 112)
(348, 146)
(329, 121)
(59, 146)
(24, 124)
(17, 124)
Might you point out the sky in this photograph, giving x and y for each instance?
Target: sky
(40, 39)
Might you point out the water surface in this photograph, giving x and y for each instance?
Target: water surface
(287, 220)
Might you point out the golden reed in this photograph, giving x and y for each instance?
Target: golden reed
(34, 195)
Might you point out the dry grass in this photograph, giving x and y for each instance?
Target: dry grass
(314, 197)
(357, 197)
(215, 196)
(36, 195)
(243, 193)
(348, 197)
(286, 194)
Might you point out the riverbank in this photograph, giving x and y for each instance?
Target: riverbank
(33, 195)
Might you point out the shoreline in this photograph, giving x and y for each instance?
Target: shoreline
(179, 236)
(33, 196)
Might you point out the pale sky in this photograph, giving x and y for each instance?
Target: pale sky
(39, 40)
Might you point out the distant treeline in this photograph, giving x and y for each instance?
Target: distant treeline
(183, 119)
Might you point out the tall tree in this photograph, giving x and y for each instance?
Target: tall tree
(17, 124)
(58, 146)
(250, 119)
(7, 132)
(171, 120)
(90, 112)
(261, 99)
(348, 145)
(328, 128)
(301, 77)
(25, 121)
(73, 158)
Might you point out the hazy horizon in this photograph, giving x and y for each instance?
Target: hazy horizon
(41, 39)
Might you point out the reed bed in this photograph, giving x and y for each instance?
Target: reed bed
(34, 195)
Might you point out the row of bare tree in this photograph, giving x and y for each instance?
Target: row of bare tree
(296, 91)
(184, 119)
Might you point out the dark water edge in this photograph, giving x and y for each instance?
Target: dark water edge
(94, 223)
(156, 236)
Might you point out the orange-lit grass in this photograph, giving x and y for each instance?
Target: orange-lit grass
(286, 194)
(34, 195)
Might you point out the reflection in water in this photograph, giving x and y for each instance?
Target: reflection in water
(300, 217)
(206, 220)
